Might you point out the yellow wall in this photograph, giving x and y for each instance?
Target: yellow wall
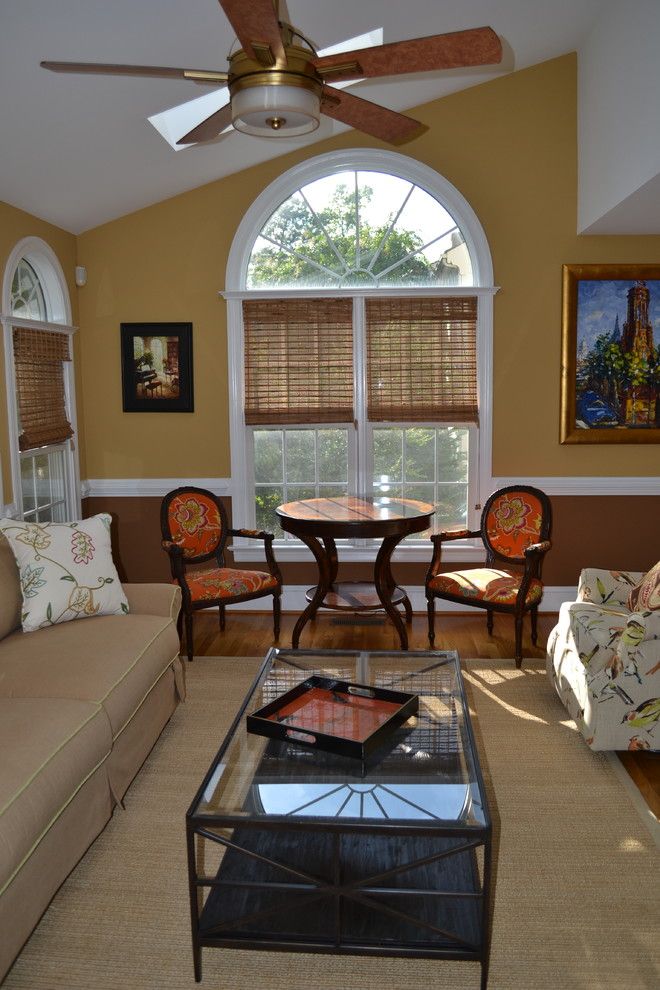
(509, 146)
(14, 226)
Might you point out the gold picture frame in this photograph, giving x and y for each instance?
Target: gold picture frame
(610, 366)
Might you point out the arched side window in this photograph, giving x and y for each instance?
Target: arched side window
(40, 385)
(359, 289)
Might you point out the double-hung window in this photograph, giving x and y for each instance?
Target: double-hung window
(38, 360)
(357, 345)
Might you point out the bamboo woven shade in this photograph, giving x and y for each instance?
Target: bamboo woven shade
(38, 357)
(422, 360)
(298, 361)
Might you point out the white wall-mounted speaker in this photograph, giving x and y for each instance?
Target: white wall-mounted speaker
(81, 276)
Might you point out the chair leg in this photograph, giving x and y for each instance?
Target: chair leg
(277, 611)
(535, 612)
(189, 635)
(430, 608)
(519, 623)
(221, 617)
(489, 621)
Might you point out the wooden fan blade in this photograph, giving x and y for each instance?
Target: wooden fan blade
(210, 76)
(369, 117)
(257, 29)
(478, 46)
(209, 128)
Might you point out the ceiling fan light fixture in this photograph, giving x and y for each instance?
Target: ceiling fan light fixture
(276, 111)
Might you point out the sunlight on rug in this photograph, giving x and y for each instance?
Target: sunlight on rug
(574, 906)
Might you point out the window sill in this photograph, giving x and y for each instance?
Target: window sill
(461, 550)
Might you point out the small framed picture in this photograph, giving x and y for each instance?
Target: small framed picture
(610, 375)
(156, 367)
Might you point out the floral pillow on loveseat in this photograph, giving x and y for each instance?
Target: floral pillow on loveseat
(645, 596)
(66, 570)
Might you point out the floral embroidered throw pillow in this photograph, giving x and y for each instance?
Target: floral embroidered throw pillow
(66, 570)
(645, 596)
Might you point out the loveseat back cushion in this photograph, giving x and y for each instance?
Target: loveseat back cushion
(645, 596)
(66, 570)
(10, 590)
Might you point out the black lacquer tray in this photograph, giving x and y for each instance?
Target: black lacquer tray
(333, 715)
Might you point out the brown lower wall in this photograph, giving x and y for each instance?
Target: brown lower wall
(588, 531)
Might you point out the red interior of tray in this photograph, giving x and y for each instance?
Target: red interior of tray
(336, 713)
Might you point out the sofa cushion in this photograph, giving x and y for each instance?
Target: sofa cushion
(10, 599)
(66, 570)
(645, 596)
(48, 750)
(113, 661)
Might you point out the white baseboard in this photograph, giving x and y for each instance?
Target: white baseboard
(293, 600)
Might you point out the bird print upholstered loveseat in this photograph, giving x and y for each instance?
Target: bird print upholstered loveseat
(603, 658)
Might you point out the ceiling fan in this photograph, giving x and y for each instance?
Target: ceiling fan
(279, 85)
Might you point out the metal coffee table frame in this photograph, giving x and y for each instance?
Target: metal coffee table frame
(276, 867)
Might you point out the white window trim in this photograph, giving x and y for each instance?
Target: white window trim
(236, 291)
(53, 282)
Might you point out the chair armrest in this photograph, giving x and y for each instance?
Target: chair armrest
(538, 549)
(259, 534)
(252, 534)
(445, 536)
(174, 549)
(154, 599)
(606, 587)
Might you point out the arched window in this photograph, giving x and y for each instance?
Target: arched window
(41, 407)
(359, 229)
(359, 289)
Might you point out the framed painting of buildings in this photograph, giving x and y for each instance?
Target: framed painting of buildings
(610, 374)
(156, 366)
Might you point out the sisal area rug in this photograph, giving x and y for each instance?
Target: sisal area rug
(576, 898)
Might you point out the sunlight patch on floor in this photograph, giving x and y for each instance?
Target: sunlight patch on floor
(632, 846)
(518, 712)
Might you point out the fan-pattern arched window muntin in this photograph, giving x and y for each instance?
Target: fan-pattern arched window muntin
(360, 229)
(27, 294)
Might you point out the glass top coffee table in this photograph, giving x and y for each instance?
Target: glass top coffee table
(295, 848)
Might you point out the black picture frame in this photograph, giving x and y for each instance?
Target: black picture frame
(157, 367)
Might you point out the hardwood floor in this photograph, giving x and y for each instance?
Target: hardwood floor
(249, 634)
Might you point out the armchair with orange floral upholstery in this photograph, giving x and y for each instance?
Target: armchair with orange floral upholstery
(195, 530)
(515, 529)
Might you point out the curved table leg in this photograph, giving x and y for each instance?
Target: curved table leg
(392, 586)
(325, 563)
(384, 583)
(408, 608)
(331, 555)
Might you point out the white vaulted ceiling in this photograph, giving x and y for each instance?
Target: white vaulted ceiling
(79, 150)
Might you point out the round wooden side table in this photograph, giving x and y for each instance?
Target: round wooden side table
(318, 522)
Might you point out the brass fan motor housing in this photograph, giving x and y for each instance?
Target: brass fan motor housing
(245, 72)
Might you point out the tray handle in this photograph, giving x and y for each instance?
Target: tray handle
(361, 692)
(299, 736)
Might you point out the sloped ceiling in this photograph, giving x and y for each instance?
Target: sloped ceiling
(79, 150)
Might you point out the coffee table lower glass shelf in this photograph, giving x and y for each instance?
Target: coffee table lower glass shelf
(301, 850)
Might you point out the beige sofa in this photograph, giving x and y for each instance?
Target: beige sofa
(81, 705)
